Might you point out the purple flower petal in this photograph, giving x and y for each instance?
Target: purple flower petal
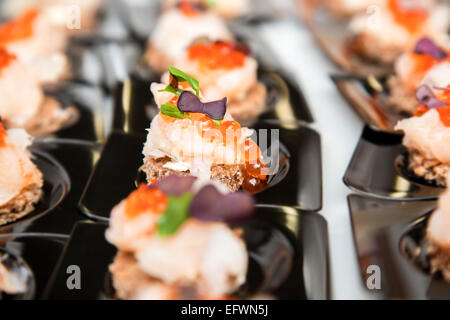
(210, 205)
(204, 203)
(428, 47)
(215, 109)
(175, 185)
(189, 102)
(426, 97)
(235, 207)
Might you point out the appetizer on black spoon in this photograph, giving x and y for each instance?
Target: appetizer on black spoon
(374, 37)
(32, 109)
(178, 219)
(56, 12)
(191, 137)
(427, 135)
(428, 64)
(226, 69)
(228, 9)
(383, 101)
(21, 181)
(177, 28)
(438, 234)
(33, 39)
(396, 26)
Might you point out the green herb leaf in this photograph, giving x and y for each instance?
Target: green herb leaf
(211, 3)
(183, 77)
(171, 110)
(176, 213)
(216, 122)
(170, 89)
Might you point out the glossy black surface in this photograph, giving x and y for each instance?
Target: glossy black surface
(41, 253)
(413, 246)
(369, 103)
(55, 188)
(297, 183)
(374, 170)
(93, 124)
(17, 266)
(288, 252)
(379, 228)
(114, 175)
(78, 161)
(302, 186)
(135, 107)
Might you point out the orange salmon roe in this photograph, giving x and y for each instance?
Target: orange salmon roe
(412, 19)
(6, 58)
(19, 29)
(420, 111)
(217, 55)
(444, 95)
(444, 114)
(188, 9)
(145, 199)
(423, 63)
(231, 128)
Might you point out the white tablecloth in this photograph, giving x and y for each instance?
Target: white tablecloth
(340, 129)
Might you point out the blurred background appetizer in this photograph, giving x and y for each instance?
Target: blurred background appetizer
(37, 43)
(228, 9)
(23, 103)
(20, 180)
(438, 234)
(174, 244)
(427, 135)
(428, 64)
(58, 13)
(226, 69)
(192, 137)
(177, 28)
(349, 8)
(385, 34)
(10, 282)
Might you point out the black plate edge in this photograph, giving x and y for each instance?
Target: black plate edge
(52, 279)
(369, 133)
(403, 224)
(66, 189)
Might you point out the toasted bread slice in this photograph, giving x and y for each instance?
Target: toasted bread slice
(432, 170)
(231, 176)
(22, 204)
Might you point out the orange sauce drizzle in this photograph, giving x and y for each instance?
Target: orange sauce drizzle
(19, 29)
(412, 19)
(216, 55)
(144, 200)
